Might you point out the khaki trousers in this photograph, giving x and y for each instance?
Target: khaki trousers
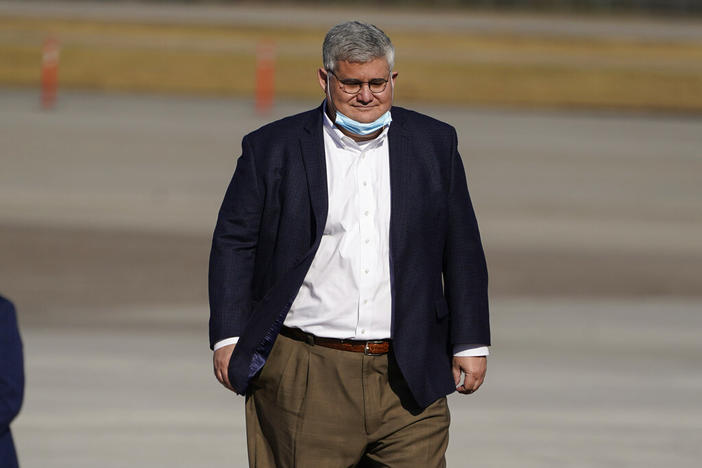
(316, 407)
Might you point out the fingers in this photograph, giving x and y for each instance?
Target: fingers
(220, 361)
(223, 378)
(473, 369)
(456, 374)
(464, 387)
(471, 383)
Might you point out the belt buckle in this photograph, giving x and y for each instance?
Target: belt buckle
(366, 349)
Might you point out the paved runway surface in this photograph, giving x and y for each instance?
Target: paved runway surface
(591, 224)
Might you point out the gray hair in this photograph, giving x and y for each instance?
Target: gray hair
(358, 42)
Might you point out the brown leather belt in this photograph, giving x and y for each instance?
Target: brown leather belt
(369, 348)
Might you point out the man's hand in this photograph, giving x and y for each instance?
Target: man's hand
(220, 360)
(474, 368)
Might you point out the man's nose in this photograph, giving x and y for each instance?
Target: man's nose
(364, 95)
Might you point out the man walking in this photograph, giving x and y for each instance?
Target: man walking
(348, 285)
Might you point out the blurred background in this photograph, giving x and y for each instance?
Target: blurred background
(580, 126)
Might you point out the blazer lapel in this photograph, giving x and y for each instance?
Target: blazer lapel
(312, 147)
(399, 151)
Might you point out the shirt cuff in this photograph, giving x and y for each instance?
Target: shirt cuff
(462, 350)
(226, 342)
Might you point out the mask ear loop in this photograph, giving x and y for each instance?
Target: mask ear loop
(329, 99)
(392, 88)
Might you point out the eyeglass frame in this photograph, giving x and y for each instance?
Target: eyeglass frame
(361, 83)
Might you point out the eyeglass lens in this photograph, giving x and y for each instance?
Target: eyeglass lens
(376, 85)
(354, 87)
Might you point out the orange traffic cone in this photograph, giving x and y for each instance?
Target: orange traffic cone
(49, 73)
(265, 70)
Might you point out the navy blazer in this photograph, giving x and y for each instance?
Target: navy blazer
(271, 222)
(11, 380)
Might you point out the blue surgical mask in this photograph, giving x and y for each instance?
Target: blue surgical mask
(359, 128)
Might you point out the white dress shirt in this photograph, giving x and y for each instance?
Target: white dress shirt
(346, 292)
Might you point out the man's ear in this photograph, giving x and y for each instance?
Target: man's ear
(322, 77)
(393, 77)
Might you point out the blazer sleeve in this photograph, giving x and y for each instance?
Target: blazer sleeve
(11, 366)
(464, 266)
(233, 253)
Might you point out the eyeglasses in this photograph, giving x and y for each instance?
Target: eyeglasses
(351, 86)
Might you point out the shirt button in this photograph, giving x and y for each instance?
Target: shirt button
(367, 241)
(365, 212)
(363, 331)
(367, 270)
(365, 301)
(365, 183)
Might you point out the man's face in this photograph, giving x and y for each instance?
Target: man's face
(364, 106)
